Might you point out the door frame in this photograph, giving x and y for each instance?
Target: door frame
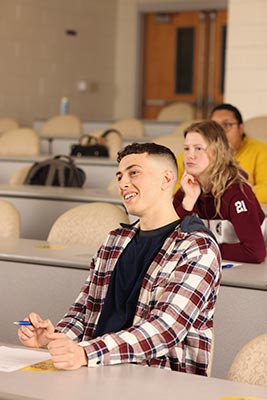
(143, 9)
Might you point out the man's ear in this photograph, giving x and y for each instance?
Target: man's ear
(168, 179)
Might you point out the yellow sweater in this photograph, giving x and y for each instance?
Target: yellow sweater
(252, 157)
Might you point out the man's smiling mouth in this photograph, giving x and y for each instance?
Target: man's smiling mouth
(129, 196)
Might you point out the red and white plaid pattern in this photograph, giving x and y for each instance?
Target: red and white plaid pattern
(173, 322)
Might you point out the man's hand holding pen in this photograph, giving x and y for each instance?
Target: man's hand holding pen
(36, 332)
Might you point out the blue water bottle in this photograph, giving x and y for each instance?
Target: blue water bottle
(64, 105)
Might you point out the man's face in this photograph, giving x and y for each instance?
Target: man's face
(140, 179)
(233, 130)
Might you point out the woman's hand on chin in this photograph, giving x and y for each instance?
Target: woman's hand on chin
(192, 190)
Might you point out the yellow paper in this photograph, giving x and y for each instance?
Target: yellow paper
(49, 246)
(42, 366)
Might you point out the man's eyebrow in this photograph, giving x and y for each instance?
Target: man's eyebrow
(129, 167)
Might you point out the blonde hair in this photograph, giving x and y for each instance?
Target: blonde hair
(223, 169)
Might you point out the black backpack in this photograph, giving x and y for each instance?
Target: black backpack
(57, 171)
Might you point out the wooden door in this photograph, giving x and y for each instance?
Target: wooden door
(183, 60)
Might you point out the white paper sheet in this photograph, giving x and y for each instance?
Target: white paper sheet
(13, 358)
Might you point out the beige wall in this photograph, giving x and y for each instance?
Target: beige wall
(246, 69)
(39, 63)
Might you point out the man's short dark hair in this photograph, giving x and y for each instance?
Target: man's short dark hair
(229, 107)
(149, 148)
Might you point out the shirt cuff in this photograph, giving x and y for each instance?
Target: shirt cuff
(97, 353)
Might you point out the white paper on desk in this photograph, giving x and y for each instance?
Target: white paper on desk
(13, 358)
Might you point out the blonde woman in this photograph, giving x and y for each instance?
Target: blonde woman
(251, 154)
(215, 188)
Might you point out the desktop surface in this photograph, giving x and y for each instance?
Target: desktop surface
(10, 396)
(121, 382)
(83, 194)
(63, 270)
(41, 252)
(245, 275)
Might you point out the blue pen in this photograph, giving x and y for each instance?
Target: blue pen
(22, 323)
(227, 266)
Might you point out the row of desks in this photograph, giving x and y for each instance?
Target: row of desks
(99, 170)
(121, 382)
(152, 128)
(99, 173)
(242, 295)
(47, 278)
(40, 206)
(41, 277)
(62, 145)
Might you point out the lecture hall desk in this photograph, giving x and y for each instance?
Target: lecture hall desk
(152, 128)
(55, 275)
(240, 312)
(38, 276)
(120, 382)
(40, 206)
(62, 145)
(99, 170)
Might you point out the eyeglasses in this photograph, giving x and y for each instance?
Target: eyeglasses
(228, 125)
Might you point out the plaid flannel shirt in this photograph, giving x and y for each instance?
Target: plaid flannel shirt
(173, 322)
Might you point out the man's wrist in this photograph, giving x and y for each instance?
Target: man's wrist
(84, 358)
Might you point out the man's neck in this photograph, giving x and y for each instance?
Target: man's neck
(150, 222)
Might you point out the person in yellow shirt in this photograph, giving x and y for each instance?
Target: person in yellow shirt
(251, 154)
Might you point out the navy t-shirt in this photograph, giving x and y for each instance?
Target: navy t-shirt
(126, 280)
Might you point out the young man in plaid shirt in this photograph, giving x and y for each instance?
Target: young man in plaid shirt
(150, 295)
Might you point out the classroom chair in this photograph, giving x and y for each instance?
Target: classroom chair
(19, 177)
(8, 124)
(10, 220)
(62, 125)
(113, 186)
(179, 130)
(87, 224)
(20, 142)
(178, 111)
(130, 127)
(250, 363)
(256, 128)
(173, 142)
